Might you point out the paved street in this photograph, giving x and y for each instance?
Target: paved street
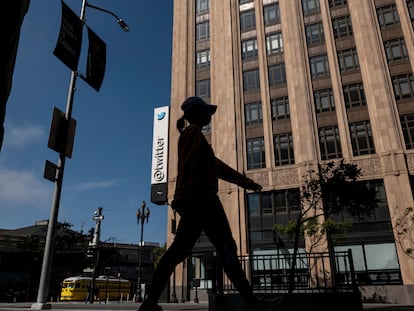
(203, 306)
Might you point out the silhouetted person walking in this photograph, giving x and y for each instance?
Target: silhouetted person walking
(199, 207)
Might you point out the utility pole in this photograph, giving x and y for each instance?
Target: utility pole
(141, 217)
(98, 217)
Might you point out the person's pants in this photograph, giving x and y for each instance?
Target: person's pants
(208, 216)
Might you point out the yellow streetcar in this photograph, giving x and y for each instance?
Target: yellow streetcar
(108, 288)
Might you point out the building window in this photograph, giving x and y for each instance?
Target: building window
(342, 27)
(277, 75)
(410, 5)
(324, 100)
(245, 1)
(283, 148)
(274, 43)
(348, 59)
(336, 3)
(251, 80)
(271, 14)
(280, 108)
(314, 34)
(403, 86)
(247, 20)
(388, 16)
(407, 124)
(249, 49)
(310, 6)
(203, 88)
(253, 113)
(354, 95)
(255, 153)
(330, 143)
(201, 6)
(361, 138)
(203, 59)
(267, 208)
(202, 31)
(319, 66)
(396, 50)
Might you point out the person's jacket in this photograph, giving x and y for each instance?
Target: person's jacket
(199, 169)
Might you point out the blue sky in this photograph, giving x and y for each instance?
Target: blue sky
(110, 165)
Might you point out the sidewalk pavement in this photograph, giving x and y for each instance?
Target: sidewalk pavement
(189, 306)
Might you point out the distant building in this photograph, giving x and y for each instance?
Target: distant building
(21, 252)
(299, 83)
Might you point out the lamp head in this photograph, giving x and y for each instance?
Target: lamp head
(123, 25)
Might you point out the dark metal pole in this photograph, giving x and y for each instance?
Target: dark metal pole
(41, 302)
(141, 217)
(98, 217)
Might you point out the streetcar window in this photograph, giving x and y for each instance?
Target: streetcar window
(77, 285)
(71, 285)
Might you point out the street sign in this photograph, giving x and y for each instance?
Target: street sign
(50, 171)
(62, 134)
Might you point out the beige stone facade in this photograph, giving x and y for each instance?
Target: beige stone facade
(392, 157)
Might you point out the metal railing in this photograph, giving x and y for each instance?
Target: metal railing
(315, 272)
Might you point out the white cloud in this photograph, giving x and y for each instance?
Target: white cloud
(95, 185)
(21, 136)
(23, 189)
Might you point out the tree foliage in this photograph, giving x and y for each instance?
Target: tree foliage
(330, 190)
(403, 222)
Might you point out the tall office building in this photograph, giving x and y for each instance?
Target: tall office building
(298, 83)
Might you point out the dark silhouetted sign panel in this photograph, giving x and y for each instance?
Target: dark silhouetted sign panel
(68, 46)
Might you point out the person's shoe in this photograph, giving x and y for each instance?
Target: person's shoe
(272, 304)
(148, 306)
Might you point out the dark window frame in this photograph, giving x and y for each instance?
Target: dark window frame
(407, 125)
(348, 60)
(272, 38)
(403, 86)
(277, 75)
(280, 108)
(249, 53)
(203, 31)
(251, 80)
(388, 16)
(330, 142)
(361, 138)
(255, 151)
(283, 149)
(253, 113)
(395, 50)
(314, 34)
(247, 20)
(342, 27)
(310, 7)
(317, 63)
(271, 14)
(324, 100)
(354, 95)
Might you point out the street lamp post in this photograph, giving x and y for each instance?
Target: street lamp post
(142, 216)
(98, 217)
(41, 302)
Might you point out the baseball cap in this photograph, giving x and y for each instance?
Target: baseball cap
(195, 101)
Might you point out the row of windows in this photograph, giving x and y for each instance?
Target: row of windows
(354, 96)
(342, 26)
(319, 66)
(279, 206)
(329, 142)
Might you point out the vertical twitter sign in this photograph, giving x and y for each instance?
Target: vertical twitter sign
(160, 156)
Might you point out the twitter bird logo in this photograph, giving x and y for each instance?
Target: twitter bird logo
(160, 116)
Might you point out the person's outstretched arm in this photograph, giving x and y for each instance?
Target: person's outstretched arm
(229, 174)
